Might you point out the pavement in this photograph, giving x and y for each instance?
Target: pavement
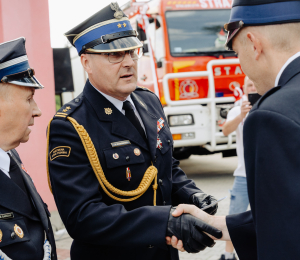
(211, 173)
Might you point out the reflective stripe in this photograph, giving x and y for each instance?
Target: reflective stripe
(13, 62)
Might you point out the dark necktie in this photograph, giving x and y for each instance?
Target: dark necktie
(129, 113)
(15, 174)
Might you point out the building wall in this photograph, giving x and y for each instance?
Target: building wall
(30, 18)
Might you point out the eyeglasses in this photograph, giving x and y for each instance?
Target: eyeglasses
(118, 56)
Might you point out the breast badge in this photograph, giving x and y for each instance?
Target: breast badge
(159, 143)
(160, 124)
(108, 111)
(137, 151)
(128, 174)
(18, 231)
(1, 235)
(115, 156)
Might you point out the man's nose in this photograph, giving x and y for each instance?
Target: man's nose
(36, 111)
(128, 61)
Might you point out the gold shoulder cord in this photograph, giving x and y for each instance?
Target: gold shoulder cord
(149, 176)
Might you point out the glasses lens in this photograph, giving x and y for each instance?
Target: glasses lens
(136, 53)
(115, 57)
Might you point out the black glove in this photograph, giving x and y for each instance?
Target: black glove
(202, 200)
(188, 229)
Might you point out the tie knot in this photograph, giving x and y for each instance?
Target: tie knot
(127, 105)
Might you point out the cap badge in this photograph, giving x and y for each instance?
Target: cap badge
(1, 235)
(115, 7)
(108, 111)
(18, 231)
(115, 156)
(137, 151)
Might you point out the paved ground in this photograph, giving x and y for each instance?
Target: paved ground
(213, 174)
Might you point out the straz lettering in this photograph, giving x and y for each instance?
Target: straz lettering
(7, 215)
(121, 143)
(60, 151)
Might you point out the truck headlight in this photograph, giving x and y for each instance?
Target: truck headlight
(181, 120)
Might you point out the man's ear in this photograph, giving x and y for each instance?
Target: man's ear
(86, 63)
(255, 43)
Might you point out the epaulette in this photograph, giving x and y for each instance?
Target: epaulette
(67, 109)
(143, 88)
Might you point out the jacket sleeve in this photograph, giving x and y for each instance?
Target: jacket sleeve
(182, 187)
(243, 236)
(78, 197)
(271, 149)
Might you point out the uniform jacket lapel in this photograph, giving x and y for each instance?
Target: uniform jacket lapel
(14, 198)
(118, 120)
(149, 121)
(34, 195)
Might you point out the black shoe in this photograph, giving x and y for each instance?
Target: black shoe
(223, 257)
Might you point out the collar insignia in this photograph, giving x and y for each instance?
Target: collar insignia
(115, 7)
(108, 111)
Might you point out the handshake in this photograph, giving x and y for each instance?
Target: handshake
(191, 229)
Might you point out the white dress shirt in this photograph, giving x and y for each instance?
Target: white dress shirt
(285, 65)
(119, 105)
(4, 162)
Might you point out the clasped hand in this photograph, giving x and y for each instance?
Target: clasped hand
(191, 229)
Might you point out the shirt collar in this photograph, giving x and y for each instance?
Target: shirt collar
(116, 102)
(4, 161)
(285, 65)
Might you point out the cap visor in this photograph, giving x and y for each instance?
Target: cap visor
(122, 44)
(230, 37)
(27, 82)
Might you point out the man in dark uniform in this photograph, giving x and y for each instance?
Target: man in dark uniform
(25, 229)
(266, 36)
(111, 168)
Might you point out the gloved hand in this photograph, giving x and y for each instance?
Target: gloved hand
(202, 200)
(188, 229)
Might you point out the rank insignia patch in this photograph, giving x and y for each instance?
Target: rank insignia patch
(18, 231)
(160, 124)
(60, 151)
(1, 235)
(159, 143)
(108, 111)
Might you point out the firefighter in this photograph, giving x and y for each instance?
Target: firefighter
(111, 168)
(24, 217)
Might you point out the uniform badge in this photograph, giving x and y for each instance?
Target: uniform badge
(24, 169)
(108, 111)
(66, 109)
(115, 156)
(160, 124)
(1, 235)
(128, 174)
(159, 143)
(137, 151)
(18, 231)
(115, 7)
(59, 151)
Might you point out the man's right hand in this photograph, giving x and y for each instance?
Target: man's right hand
(189, 230)
(245, 108)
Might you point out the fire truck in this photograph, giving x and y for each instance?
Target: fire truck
(187, 66)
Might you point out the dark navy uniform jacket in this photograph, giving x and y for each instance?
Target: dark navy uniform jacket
(101, 227)
(272, 159)
(29, 213)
